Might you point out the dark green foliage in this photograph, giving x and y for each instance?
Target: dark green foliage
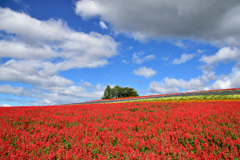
(128, 92)
(107, 93)
(134, 109)
(119, 92)
(114, 142)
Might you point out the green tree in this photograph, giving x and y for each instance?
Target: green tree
(119, 92)
(107, 93)
(129, 92)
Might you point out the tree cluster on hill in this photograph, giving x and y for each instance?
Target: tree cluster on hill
(119, 92)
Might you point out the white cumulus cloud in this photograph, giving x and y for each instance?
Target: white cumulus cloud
(69, 94)
(229, 81)
(18, 91)
(226, 54)
(146, 72)
(208, 81)
(39, 49)
(51, 39)
(166, 19)
(31, 72)
(172, 85)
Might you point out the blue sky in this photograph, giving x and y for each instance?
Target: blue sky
(67, 51)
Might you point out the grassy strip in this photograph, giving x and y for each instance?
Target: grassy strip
(201, 97)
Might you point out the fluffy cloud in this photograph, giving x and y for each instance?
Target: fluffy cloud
(225, 54)
(184, 57)
(21, 50)
(69, 94)
(52, 39)
(103, 25)
(208, 76)
(39, 50)
(18, 91)
(139, 60)
(159, 88)
(229, 81)
(29, 72)
(52, 95)
(146, 72)
(172, 85)
(55, 98)
(183, 19)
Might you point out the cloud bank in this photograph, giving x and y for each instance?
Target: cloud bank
(38, 50)
(216, 21)
(224, 81)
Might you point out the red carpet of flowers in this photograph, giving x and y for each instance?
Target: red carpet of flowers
(146, 130)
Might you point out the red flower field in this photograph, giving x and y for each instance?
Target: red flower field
(137, 130)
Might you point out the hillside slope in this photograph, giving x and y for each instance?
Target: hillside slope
(210, 94)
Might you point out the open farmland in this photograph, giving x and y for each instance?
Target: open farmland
(170, 127)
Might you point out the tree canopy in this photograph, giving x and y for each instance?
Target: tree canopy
(119, 92)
